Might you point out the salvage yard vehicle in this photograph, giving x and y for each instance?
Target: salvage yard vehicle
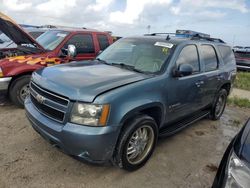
(242, 60)
(51, 48)
(239, 49)
(234, 169)
(115, 107)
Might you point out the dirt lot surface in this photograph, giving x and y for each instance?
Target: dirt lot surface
(187, 159)
(240, 93)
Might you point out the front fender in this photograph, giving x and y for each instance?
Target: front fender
(22, 69)
(137, 109)
(128, 100)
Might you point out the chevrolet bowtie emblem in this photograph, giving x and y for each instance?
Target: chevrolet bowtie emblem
(40, 99)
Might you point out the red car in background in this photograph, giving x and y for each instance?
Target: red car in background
(54, 47)
(242, 60)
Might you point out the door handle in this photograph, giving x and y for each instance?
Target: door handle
(199, 83)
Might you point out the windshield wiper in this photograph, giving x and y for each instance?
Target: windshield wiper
(102, 61)
(128, 67)
(121, 65)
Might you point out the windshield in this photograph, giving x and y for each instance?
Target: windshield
(143, 55)
(51, 39)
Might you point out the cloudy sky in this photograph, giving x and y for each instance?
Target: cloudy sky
(226, 19)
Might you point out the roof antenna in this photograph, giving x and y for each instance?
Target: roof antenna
(168, 37)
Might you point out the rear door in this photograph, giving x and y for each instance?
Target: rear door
(212, 75)
(85, 48)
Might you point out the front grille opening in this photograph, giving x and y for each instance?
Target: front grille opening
(48, 111)
(61, 100)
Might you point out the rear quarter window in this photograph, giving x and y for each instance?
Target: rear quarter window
(226, 54)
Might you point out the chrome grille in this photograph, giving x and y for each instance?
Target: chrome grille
(49, 104)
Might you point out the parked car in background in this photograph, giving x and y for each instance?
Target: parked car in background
(51, 48)
(234, 169)
(247, 49)
(115, 107)
(242, 60)
(36, 32)
(239, 49)
(115, 38)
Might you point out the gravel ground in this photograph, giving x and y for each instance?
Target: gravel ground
(187, 159)
(240, 93)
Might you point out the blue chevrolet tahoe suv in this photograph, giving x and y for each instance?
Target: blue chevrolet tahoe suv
(114, 108)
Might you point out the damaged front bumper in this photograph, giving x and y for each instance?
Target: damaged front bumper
(93, 144)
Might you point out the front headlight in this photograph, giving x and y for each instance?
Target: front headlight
(90, 114)
(238, 173)
(1, 72)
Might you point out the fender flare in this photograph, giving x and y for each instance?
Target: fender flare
(131, 113)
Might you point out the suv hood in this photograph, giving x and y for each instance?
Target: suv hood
(83, 81)
(15, 32)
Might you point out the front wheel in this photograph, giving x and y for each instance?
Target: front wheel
(137, 143)
(219, 105)
(19, 90)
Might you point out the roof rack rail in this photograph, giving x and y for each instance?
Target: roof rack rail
(199, 37)
(153, 34)
(47, 26)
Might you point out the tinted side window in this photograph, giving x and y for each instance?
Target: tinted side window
(189, 55)
(103, 41)
(83, 43)
(209, 57)
(226, 54)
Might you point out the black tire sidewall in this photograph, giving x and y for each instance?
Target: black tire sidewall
(15, 88)
(213, 115)
(121, 158)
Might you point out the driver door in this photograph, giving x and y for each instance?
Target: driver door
(85, 48)
(185, 93)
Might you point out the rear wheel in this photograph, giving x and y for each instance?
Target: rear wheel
(219, 105)
(19, 90)
(136, 143)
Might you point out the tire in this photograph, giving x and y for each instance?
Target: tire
(216, 111)
(139, 124)
(17, 89)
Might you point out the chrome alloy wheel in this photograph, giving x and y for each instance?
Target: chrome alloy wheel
(140, 144)
(24, 92)
(220, 105)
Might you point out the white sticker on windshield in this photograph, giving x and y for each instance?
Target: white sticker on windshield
(60, 34)
(164, 44)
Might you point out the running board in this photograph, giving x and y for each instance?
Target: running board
(176, 127)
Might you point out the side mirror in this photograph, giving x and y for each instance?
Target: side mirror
(71, 51)
(183, 70)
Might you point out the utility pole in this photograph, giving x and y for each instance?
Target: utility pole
(233, 39)
(148, 27)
